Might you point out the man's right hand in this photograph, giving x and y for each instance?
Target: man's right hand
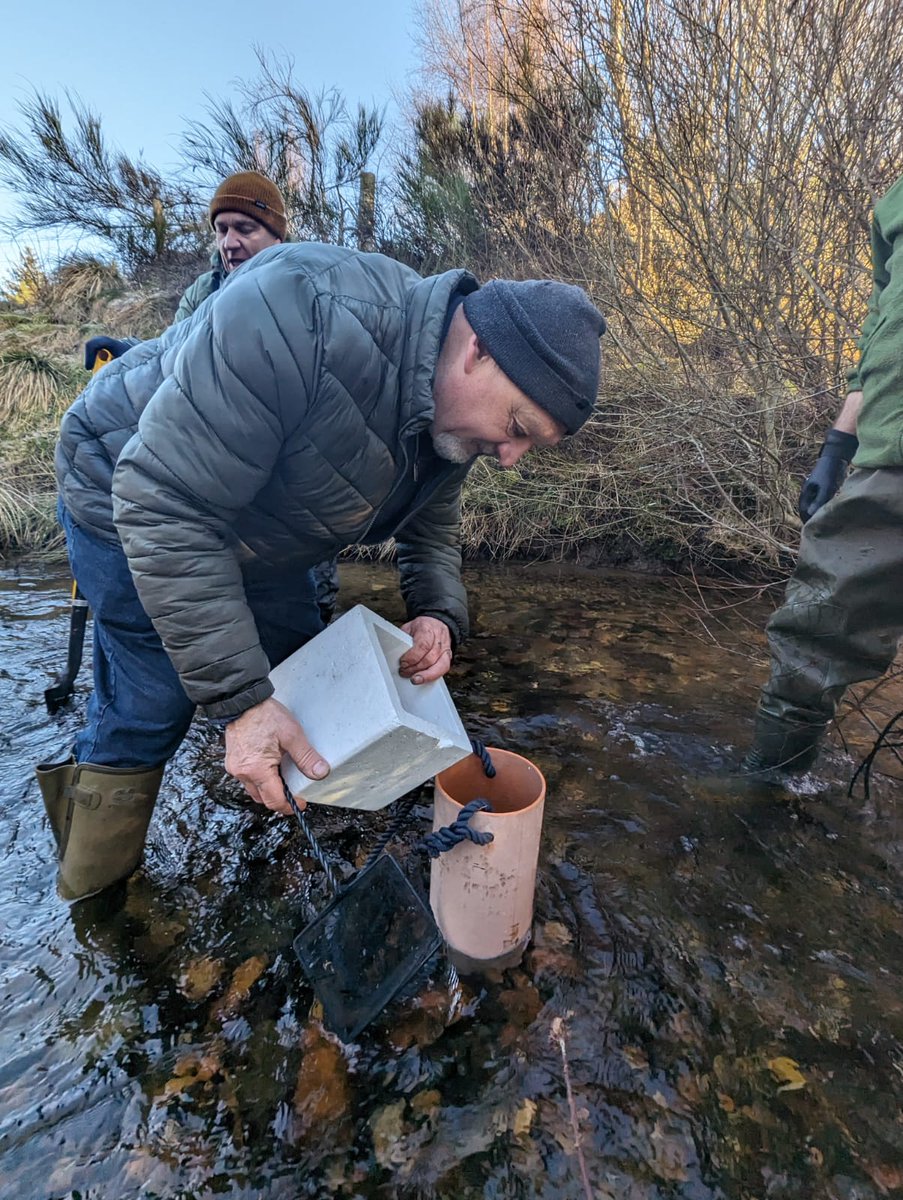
(829, 472)
(255, 745)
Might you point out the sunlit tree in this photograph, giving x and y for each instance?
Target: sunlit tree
(26, 282)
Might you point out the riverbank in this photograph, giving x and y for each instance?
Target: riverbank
(678, 469)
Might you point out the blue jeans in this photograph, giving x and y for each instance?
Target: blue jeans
(138, 713)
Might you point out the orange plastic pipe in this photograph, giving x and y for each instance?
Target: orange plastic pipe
(482, 896)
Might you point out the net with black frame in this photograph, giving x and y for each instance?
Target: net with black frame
(370, 941)
(377, 933)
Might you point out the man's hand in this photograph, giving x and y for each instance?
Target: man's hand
(829, 472)
(431, 655)
(255, 744)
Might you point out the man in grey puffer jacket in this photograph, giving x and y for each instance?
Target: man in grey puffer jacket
(324, 398)
(247, 214)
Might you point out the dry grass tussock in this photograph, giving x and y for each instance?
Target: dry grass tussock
(42, 372)
(28, 515)
(34, 393)
(77, 290)
(94, 296)
(34, 388)
(143, 313)
(670, 471)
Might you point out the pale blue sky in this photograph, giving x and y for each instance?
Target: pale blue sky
(144, 69)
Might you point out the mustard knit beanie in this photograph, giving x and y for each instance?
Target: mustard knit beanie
(253, 194)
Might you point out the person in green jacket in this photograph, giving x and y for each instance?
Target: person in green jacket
(842, 617)
(247, 214)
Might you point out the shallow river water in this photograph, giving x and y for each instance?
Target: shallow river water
(712, 1005)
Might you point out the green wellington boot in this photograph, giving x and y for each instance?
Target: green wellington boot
(53, 779)
(102, 836)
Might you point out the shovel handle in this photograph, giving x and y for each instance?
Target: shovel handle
(78, 621)
(61, 689)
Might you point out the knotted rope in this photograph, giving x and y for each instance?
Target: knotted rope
(449, 836)
(315, 848)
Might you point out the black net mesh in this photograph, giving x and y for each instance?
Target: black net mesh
(361, 951)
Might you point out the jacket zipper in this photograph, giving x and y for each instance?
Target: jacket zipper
(440, 478)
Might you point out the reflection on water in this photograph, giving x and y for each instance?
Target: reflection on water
(712, 1005)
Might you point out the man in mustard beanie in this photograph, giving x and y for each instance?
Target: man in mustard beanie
(247, 214)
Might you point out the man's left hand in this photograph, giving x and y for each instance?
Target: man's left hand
(431, 655)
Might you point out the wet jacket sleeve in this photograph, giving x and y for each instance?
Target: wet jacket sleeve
(238, 387)
(429, 561)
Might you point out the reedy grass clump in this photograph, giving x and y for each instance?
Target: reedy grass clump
(34, 387)
(35, 391)
(42, 372)
(28, 515)
(78, 287)
(667, 473)
(40, 376)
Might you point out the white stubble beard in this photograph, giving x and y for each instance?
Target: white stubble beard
(452, 448)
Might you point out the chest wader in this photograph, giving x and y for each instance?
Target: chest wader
(781, 744)
(99, 818)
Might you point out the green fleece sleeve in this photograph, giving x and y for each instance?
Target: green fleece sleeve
(881, 252)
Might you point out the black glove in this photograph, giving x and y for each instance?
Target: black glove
(829, 472)
(116, 346)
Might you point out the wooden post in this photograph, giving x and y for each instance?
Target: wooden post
(160, 227)
(366, 212)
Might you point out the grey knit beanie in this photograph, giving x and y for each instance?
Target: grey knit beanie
(545, 337)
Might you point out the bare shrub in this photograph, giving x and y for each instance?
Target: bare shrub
(312, 147)
(707, 170)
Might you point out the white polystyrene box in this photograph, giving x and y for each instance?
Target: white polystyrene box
(382, 735)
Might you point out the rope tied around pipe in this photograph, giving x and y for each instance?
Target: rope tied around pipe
(449, 836)
(433, 844)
